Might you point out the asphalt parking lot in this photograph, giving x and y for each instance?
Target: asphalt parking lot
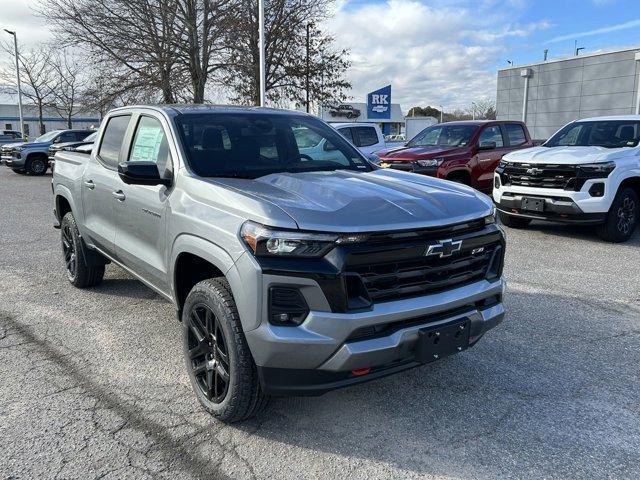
(93, 383)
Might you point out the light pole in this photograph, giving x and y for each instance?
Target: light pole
(261, 42)
(15, 47)
(441, 113)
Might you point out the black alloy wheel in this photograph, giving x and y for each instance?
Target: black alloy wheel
(626, 213)
(69, 252)
(208, 353)
(37, 166)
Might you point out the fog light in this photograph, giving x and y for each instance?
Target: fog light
(496, 181)
(597, 190)
(287, 306)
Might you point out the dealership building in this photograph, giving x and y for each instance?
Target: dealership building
(549, 94)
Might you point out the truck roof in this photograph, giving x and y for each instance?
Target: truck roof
(175, 109)
(610, 118)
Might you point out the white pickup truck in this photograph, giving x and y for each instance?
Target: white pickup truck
(588, 172)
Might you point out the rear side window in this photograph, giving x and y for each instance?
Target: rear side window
(516, 135)
(150, 145)
(346, 133)
(366, 136)
(112, 139)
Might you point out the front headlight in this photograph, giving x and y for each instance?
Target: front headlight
(266, 241)
(491, 218)
(432, 162)
(591, 168)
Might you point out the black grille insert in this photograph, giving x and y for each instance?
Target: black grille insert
(541, 176)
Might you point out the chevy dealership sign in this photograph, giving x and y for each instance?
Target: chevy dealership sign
(379, 103)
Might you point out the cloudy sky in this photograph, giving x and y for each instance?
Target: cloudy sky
(441, 52)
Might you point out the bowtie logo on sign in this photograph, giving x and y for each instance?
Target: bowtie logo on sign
(379, 103)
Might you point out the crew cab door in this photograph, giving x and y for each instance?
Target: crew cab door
(490, 150)
(100, 182)
(142, 210)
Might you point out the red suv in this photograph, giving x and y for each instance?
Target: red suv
(467, 151)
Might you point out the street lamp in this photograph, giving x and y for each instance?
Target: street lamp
(441, 113)
(15, 47)
(261, 42)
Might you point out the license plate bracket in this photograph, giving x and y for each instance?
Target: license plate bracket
(441, 341)
(532, 204)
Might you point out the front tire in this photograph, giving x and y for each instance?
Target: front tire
(513, 222)
(219, 363)
(37, 166)
(622, 218)
(79, 274)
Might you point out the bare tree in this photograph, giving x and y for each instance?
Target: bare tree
(482, 109)
(286, 53)
(138, 35)
(35, 76)
(67, 85)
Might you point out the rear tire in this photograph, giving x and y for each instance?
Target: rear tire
(79, 274)
(218, 360)
(622, 218)
(37, 166)
(513, 222)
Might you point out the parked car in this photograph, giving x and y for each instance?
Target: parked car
(367, 137)
(33, 156)
(69, 146)
(588, 172)
(10, 136)
(291, 274)
(466, 152)
(345, 110)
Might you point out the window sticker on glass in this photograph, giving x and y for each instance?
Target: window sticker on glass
(147, 143)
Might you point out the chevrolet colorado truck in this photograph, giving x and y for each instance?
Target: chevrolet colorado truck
(291, 274)
(33, 157)
(467, 151)
(588, 172)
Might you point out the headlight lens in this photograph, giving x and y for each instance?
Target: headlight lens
(605, 167)
(265, 241)
(432, 162)
(491, 218)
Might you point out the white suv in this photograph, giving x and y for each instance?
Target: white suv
(587, 172)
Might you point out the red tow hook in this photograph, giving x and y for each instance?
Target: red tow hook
(358, 372)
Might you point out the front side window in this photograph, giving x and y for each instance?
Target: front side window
(150, 145)
(112, 139)
(492, 134)
(367, 136)
(516, 135)
(606, 133)
(66, 137)
(251, 145)
(444, 135)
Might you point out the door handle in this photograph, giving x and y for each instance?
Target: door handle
(119, 195)
(89, 184)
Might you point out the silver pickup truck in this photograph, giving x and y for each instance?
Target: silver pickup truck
(291, 274)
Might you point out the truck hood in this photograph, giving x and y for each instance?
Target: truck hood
(347, 201)
(566, 155)
(12, 145)
(36, 145)
(417, 153)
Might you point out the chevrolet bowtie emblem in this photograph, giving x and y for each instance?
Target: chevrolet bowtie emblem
(534, 171)
(444, 248)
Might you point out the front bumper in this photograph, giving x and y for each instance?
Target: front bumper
(560, 205)
(14, 162)
(323, 353)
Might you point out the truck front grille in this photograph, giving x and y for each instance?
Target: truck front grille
(395, 272)
(541, 176)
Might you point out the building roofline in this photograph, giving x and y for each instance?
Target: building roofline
(564, 59)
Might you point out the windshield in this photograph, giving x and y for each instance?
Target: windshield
(444, 135)
(609, 134)
(47, 137)
(91, 138)
(251, 145)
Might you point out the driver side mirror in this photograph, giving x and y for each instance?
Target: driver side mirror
(141, 173)
(487, 145)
